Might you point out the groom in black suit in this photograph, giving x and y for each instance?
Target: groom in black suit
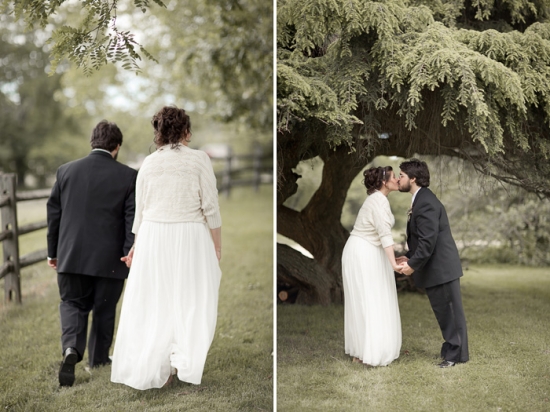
(90, 216)
(433, 260)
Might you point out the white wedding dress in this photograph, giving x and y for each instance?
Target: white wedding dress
(372, 324)
(169, 309)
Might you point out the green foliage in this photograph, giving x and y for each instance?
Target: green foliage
(32, 118)
(343, 63)
(220, 56)
(94, 41)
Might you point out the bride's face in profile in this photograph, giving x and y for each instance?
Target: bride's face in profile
(391, 183)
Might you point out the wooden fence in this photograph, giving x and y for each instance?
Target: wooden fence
(234, 170)
(243, 170)
(10, 232)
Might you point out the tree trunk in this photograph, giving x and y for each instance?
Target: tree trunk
(305, 279)
(317, 227)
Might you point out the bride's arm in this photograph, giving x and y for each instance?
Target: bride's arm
(391, 257)
(217, 238)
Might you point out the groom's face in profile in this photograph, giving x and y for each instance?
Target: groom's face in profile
(404, 182)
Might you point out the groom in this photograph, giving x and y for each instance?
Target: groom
(90, 216)
(433, 260)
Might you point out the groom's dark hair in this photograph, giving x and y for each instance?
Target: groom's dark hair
(106, 135)
(418, 169)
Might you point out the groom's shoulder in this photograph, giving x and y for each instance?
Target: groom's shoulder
(126, 171)
(427, 196)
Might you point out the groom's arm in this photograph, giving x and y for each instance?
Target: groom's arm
(53, 210)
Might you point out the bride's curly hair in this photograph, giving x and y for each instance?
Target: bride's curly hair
(375, 178)
(171, 124)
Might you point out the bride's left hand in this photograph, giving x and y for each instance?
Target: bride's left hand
(398, 268)
(128, 259)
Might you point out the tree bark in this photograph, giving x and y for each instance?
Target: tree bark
(313, 284)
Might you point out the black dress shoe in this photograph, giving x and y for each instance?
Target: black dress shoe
(66, 371)
(446, 364)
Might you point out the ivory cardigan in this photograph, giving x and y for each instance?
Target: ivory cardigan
(375, 220)
(177, 185)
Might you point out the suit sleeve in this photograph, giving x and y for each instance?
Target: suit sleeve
(53, 208)
(129, 213)
(427, 224)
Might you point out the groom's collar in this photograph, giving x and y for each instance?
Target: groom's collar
(101, 152)
(414, 195)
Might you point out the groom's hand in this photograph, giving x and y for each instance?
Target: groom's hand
(407, 270)
(52, 263)
(401, 259)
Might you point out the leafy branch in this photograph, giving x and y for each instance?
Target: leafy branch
(94, 42)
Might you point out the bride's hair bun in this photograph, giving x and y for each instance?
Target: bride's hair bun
(170, 123)
(375, 178)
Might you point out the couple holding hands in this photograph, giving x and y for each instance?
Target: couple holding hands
(372, 320)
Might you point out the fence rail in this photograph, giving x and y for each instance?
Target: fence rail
(243, 170)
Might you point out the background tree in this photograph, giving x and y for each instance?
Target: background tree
(92, 38)
(31, 117)
(212, 58)
(359, 79)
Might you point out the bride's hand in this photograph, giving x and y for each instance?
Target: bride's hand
(128, 259)
(398, 268)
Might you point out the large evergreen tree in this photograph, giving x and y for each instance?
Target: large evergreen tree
(357, 79)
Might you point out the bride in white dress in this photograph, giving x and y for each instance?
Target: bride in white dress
(169, 311)
(372, 325)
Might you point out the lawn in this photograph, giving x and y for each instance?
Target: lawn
(238, 374)
(508, 316)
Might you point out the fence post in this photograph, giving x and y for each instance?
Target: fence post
(257, 164)
(12, 281)
(226, 179)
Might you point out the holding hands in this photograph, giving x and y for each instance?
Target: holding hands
(128, 259)
(402, 266)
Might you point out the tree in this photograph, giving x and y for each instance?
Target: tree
(226, 45)
(357, 79)
(217, 53)
(31, 117)
(212, 57)
(90, 43)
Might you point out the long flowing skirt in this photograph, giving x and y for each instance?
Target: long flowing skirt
(372, 325)
(169, 311)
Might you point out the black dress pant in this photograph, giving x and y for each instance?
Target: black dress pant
(446, 301)
(81, 294)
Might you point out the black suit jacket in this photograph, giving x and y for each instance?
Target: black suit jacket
(432, 250)
(90, 216)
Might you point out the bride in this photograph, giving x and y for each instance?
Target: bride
(372, 325)
(168, 315)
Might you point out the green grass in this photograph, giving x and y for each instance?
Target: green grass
(508, 315)
(238, 374)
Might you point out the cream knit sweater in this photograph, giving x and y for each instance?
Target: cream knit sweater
(177, 185)
(375, 220)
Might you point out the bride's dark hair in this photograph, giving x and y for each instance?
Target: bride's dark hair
(375, 178)
(170, 123)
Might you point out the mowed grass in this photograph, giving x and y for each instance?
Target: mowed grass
(508, 317)
(238, 374)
